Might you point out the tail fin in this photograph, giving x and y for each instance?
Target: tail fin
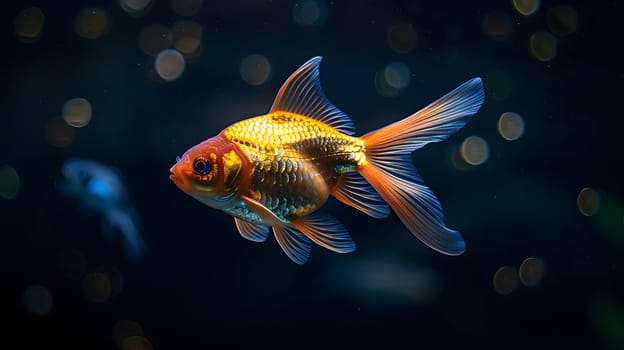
(391, 172)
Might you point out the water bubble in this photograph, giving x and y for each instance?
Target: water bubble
(37, 300)
(526, 7)
(397, 75)
(532, 271)
(543, 46)
(562, 20)
(136, 342)
(497, 25)
(126, 328)
(510, 126)
(170, 64)
(9, 182)
(588, 201)
(402, 38)
(309, 13)
(77, 112)
(28, 24)
(187, 36)
(255, 69)
(92, 23)
(97, 287)
(136, 8)
(505, 280)
(475, 150)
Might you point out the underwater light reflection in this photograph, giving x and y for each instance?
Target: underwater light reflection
(28, 24)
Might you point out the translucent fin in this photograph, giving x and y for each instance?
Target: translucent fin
(265, 213)
(391, 172)
(325, 231)
(252, 232)
(302, 94)
(418, 208)
(294, 243)
(433, 123)
(133, 245)
(353, 190)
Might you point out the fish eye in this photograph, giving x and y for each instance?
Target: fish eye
(202, 166)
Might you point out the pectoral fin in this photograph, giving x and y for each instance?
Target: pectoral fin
(252, 232)
(269, 218)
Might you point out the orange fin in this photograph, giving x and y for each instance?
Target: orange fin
(302, 94)
(391, 172)
(269, 218)
(294, 243)
(353, 190)
(325, 231)
(252, 232)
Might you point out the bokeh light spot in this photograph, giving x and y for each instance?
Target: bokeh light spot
(37, 300)
(186, 8)
(402, 38)
(397, 75)
(136, 8)
(155, 38)
(543, 46)
(255, 69)
(92, 23)
(498, 85)
(9, 182)
(497, 25)
(310, 13)
(97, 287)
(562, 20)
(115, 278)
(73, 263)
(532, 271)
(526, 7)
(28, 24)
(458, 160)
(510, 126)
(187, 36)
(136, 342)
(124, 329)
(77, 112)
(588, 201)
(58, 133)
(170, 64)
(475, 150)
(505, 280)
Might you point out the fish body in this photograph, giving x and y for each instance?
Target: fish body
(100, 189)
(296, 160)
(277, 170)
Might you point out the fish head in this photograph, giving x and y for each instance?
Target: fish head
(210, 172)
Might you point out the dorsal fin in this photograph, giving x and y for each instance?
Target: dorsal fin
(302, 94)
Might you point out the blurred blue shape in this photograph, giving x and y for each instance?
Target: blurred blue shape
(99, 188)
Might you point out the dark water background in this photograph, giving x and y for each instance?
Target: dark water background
(201, 284)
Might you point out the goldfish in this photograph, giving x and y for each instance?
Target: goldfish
(100, 189)
(274, 172)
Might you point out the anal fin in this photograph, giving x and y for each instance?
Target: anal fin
(325, 231)
(294, 243)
